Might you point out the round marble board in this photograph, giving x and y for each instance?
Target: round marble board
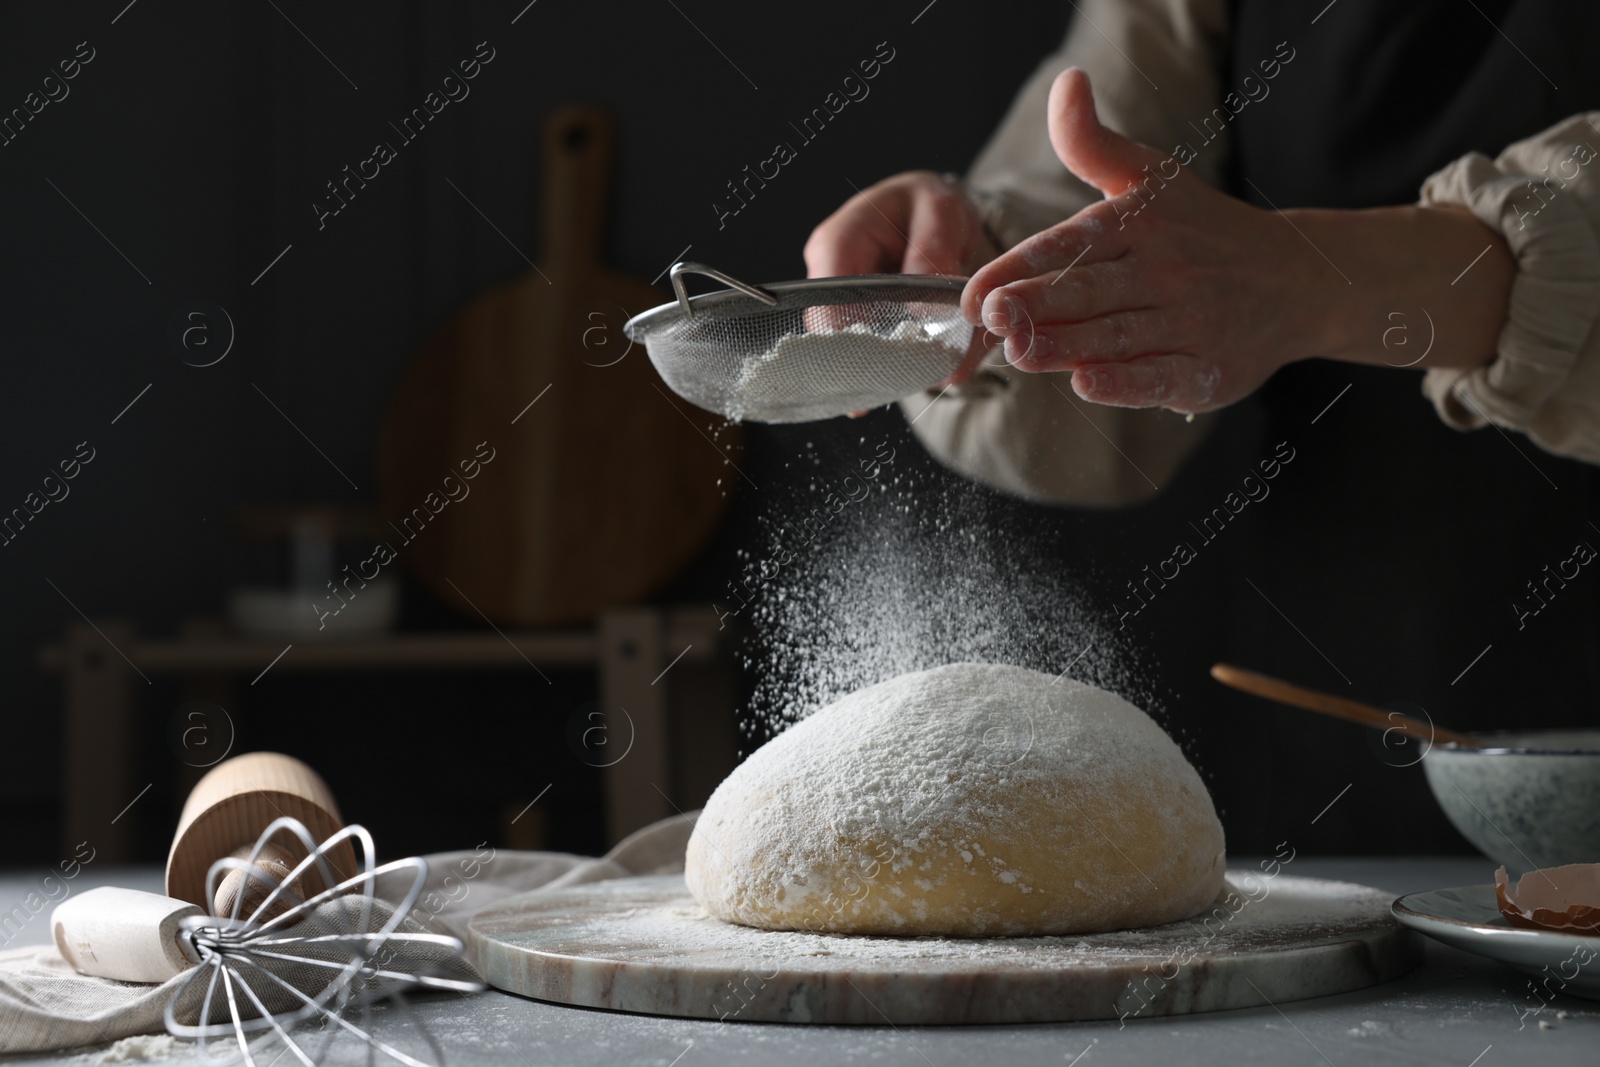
(644, 945)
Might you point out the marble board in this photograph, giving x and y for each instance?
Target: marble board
(644, 945)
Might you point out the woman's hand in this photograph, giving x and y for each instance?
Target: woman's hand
(1172, 294)
(912, 223)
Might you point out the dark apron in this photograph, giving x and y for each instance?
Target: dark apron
(1392, 550)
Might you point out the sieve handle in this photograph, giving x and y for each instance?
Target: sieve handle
(680, 269)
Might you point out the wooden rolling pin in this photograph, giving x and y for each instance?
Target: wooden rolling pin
(133, 936)
(224, 816)
(125, 934)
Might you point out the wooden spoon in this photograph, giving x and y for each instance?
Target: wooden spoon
(1340, 708)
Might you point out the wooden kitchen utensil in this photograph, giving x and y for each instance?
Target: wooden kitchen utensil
(225, 815)
(1339, 707)
(602, 485)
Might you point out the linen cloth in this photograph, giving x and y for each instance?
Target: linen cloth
(45, 1004)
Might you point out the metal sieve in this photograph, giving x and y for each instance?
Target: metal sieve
(804, 350)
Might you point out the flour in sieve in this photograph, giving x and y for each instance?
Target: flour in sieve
(817, 375)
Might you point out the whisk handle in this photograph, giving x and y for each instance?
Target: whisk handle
(124, 934)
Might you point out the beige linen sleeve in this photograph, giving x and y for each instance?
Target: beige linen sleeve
(1154, 66)
(1543, 195)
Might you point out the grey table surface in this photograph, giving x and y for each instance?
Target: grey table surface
(1455, 1009)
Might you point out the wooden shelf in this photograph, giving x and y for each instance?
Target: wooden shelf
(105, 665)
(693, 632)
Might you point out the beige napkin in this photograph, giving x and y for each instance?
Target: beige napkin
(45, 1004)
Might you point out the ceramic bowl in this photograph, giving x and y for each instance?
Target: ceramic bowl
(373, 609)
(1530, 799)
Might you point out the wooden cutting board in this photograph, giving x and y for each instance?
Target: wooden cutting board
(644, 945)
(600, 492)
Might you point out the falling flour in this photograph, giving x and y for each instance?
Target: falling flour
(926, 569)
(818, 375)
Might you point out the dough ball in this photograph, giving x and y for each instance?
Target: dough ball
(969, 800)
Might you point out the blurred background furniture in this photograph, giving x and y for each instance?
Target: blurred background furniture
(644, 658)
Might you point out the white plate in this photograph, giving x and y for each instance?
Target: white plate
(1468, 918)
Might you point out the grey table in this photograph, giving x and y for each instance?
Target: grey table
(1456, 1009)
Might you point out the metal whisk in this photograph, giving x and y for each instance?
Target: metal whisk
(290, 960)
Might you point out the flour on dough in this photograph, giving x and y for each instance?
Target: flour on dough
(970, 800)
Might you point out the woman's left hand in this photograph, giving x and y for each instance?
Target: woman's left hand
(1171, 294)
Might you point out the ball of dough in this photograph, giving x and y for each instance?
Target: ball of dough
(969, 800)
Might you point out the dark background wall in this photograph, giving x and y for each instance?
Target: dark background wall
(199, 136)
(197, 140)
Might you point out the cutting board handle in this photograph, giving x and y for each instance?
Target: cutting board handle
(577, 154)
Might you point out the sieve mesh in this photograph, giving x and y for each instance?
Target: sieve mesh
(820, 348)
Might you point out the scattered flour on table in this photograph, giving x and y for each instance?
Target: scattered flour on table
(673, 931)
(139, 1048)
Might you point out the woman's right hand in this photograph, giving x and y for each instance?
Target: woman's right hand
(912, 223)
